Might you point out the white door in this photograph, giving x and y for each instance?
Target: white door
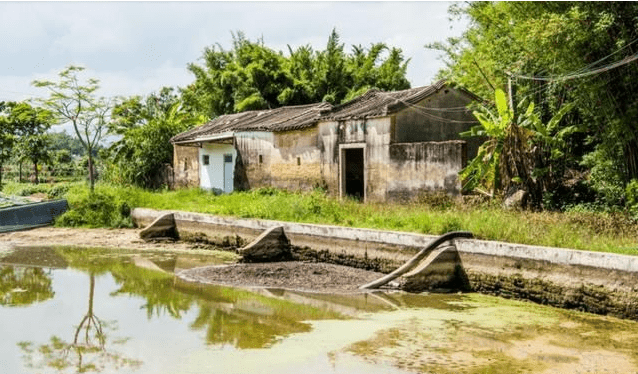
(217, 166)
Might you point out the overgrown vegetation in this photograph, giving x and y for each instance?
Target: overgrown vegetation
(431, 214)
(555, 53)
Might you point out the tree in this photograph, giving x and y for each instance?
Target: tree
(560, 52)
(28, 125)
(520, 149)
(145, 127)
(64, 141)
(74, 101)
(252, 76)
(7, 139)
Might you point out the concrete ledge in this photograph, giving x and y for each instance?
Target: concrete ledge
(602, 283)
(402, 240)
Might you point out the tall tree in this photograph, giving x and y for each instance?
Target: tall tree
(29, 125)
(252, 76)
(73, 100)
(7, 139)
(145, 128)
(560, 52)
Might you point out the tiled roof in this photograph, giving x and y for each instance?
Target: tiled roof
(279, 119)
(375, 103)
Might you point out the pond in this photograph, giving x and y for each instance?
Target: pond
(69, 310)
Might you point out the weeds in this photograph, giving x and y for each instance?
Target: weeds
(586, 230)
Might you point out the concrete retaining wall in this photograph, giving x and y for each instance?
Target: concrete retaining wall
(597, 282)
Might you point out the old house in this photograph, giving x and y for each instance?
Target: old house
(379, 146)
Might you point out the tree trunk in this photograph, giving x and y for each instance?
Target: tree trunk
(35, 171)
(20, 176)
(91, 177)
(1, 170)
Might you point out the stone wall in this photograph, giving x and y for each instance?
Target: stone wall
(185, 166)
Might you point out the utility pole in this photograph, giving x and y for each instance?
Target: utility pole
(511, 91)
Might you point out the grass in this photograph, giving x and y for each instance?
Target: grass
(579, 230)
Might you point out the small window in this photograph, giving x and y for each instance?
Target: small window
(298, 160)
(261, 159)
(228, 157)
(185, 164)
(206, 159)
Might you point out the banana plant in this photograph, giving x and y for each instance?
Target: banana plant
(484, 169)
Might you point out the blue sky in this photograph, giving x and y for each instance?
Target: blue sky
(135, 48)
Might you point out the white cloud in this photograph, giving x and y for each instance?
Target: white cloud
(136, 48)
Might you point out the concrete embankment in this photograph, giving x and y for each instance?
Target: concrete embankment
(596, 282)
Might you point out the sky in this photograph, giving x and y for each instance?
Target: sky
(135, 48)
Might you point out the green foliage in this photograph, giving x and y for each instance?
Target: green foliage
(572, 46)
(144, 150)
(102, 208)
(23, 133)
(252, 76)
(61, 141)
(581, 229)
(484, 169)
(632, 197)
(73, 100)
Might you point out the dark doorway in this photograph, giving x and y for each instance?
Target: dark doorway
(354, 185)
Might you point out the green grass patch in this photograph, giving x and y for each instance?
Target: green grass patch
(111, 207)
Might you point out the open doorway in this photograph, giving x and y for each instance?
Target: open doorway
(352, 166)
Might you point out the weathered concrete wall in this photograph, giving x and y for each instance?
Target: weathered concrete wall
(296, 160)
(420, 124)
(393, 171)
(186, 166)
(289, 160)
(602, 283)
(371, 134)
(424, 167)
(254, 151)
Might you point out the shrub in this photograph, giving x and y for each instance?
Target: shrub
(103, 208)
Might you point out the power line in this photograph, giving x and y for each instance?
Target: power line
(606, 57)
(430, 115)
(572, 75)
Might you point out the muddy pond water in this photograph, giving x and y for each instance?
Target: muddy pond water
(69, 310)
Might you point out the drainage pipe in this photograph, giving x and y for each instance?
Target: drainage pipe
(416, 259)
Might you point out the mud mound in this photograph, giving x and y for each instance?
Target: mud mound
(314, 277)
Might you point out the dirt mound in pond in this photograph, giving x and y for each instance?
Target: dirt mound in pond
(303, 276)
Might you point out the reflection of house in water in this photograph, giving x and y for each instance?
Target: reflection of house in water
(379, 146)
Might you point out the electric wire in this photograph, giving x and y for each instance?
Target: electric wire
(425, 113)
(573, 75)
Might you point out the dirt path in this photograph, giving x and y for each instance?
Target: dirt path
(111, 238)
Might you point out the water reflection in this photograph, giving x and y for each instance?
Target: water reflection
(24, 286)
(91, 310)
(87, 352)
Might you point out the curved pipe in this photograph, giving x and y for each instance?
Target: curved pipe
(416, 259)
